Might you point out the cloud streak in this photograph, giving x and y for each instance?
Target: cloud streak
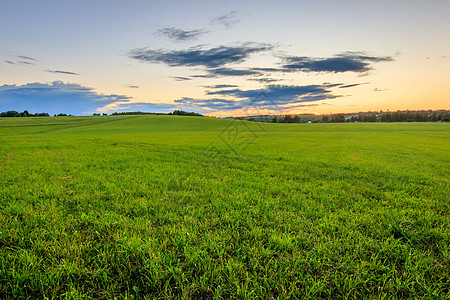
(24, 61)
(379, 90)
(345, 62)
(62, 72)
(220, 86)
(181, 78)
(177, 34)
(351, 85)
(137, 106)
(19, 62)
(26, 57)
(282, 94)
(227, 20)
(222, 72)
(264, 80)
(197, 56)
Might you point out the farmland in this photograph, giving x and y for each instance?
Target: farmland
(194, 207)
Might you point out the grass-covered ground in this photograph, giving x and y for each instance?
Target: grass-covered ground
(191, 207)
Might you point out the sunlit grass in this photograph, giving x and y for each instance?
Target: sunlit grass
(189, 207)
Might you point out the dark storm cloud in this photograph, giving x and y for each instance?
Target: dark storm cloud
(62, 72)
(345, 62)
(227, 20)
(178, 34)
(54, 98)
(196, 56)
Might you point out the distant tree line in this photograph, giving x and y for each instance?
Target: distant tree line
(175, 112)
(62, 115)
(403, 116)
(416, 116)
(134, 113)
(25, 113)
(397, 116)
(185, 113)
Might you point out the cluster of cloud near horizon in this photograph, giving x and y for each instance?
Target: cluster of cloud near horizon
(22, 60)
(273, 97)
(220, 61)
(54, 98)
(213, 62)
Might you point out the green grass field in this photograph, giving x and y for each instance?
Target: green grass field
(190, 207)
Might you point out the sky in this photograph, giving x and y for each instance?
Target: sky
(224, 58)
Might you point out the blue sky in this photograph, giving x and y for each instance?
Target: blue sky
(216, 57)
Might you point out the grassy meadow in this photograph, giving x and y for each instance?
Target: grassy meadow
(161, 207)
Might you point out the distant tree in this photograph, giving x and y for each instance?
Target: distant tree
(388, 117)
(338, 118)
(370, 118)
(287, 119)
(12, 114)
(274, 119)
(136, 113)
(185, 113)
(354, 119)
(434, 117)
